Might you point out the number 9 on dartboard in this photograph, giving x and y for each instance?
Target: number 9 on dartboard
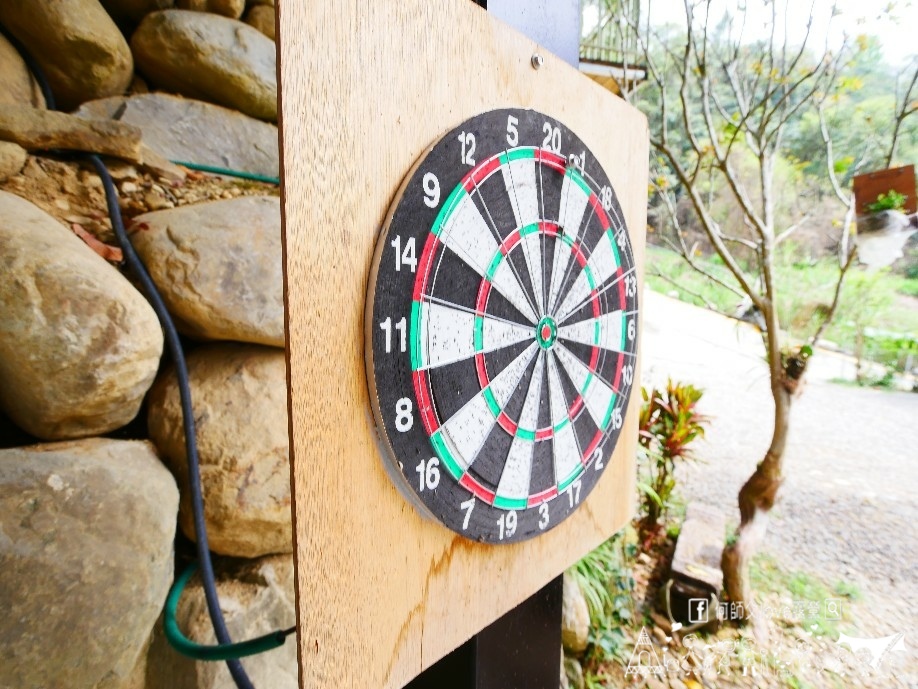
(501, 327)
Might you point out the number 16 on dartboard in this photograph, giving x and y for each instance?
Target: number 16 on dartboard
(501, 325)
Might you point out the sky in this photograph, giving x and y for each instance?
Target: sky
(895, 22)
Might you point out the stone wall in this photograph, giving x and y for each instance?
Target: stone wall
(95, 515)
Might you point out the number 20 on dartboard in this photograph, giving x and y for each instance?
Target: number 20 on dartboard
(501, 327)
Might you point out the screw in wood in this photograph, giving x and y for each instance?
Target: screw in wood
(537, 61)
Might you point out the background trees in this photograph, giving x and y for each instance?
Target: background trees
(754, 138)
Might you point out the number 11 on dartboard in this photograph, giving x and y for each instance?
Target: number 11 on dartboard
(501, 325)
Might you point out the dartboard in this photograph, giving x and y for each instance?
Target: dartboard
(501, 327)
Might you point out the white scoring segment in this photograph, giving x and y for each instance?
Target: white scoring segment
(520, 180)
(514, 481)
(565, 452)
(448, 334)
(610, 331)
(570, 217)
(602, 266)
(467, 234)
(532, 248)
(598, 396)
(466, 430)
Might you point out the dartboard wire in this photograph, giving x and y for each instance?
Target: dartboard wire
(445, 302)
(497, 238)
(540, 302)
(559, 369)
(559, 299)
(596, 373)
(561, 320)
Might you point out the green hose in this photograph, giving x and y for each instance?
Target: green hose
(230, 173)
(186, 646)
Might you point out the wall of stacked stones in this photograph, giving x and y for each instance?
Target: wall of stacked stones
(95, 514)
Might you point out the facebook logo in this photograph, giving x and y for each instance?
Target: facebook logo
(698, 610)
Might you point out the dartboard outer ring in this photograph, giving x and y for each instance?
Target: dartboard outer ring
(501, 327)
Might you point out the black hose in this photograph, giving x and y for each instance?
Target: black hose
(191, 446)
(134, 262)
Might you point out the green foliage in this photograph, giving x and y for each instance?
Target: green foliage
(890, 201)
(606, 579)
(869, 302)
(668, 424)
(765, 574)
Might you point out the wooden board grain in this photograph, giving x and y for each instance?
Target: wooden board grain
(365, 88)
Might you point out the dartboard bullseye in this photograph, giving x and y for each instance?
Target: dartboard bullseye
(501, 327)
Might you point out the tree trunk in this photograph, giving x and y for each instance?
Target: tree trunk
(756, 498)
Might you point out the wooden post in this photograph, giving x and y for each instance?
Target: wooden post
(365, 89)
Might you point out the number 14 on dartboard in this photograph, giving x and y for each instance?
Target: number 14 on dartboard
(501, 326)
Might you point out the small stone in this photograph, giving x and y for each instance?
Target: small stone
(209, 57)
(240, 405)
(12, 159)
(573, 672)
(77, 45)
(155, 201)
(86, 538)
(575, 617)
(128, 188)
(261, 17)
(218, 266)
(79, 345)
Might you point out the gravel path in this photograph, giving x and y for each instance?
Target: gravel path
(849, 508)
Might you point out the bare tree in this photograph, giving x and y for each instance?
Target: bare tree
(907, 107)
(716, 94)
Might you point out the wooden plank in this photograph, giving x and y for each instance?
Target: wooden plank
(365, 88)
(901, 179)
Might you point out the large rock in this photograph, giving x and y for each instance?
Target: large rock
(227, 8)
(86, 537)
(79, 345)
(17, 85)
(77, 45)
(218, 266)
(257, 597)
(193, 131)
(575, 617)
(239, 397)
(209, 57)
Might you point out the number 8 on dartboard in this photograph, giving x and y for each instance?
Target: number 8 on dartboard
(501, 327)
